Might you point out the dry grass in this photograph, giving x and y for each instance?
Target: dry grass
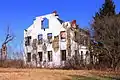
(43, 74)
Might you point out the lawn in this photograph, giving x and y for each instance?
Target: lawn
(55, 74)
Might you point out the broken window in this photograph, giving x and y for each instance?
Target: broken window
(49, 37)
(40, 56)
(45, 23)
(40, 39)
(63, 55)
(63, 35)
(49, 56)
(27, 40)
(28, 57)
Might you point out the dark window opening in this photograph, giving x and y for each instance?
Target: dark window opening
(87, 53)
(27, 40)
(81, 55)
(76, 53)
(63, 35)
(45, 23)
(40, 56)
(49, 37)
(49, 55)
(63, 55)
(40, 39)
(28, 57)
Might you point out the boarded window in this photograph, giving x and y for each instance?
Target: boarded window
(49, 37)
(55, 44)
(49, 55)
(27, 40)
(40, 56)
(28, 57)
(63, 55)
(40, 39)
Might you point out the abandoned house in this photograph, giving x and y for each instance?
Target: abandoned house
(49, 41)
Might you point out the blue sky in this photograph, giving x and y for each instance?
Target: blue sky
(19, 14)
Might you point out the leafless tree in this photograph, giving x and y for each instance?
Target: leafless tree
(107, 36)
(8, 38)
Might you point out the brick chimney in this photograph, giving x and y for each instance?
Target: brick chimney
(73, 24)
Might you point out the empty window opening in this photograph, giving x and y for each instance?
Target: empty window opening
(81, 55)
(63, 35)
(45, 23)
(40, 56)
(76, 53)
(28, 57)
(49, 56)
(87, 53)
(49, 37)
(40, 39)
(63, 55)
(27, 40)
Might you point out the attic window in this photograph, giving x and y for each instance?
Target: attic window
(45, 23)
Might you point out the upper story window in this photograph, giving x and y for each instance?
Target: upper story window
(49, 37)
(63, 35)
(40, 39)
(27, 41)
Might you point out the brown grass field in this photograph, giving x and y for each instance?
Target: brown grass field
(51, 74)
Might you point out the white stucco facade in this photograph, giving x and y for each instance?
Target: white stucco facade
(45, 54)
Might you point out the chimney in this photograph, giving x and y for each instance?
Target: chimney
(73, 23)
(55, 13)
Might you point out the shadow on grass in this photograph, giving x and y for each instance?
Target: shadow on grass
(75, 77)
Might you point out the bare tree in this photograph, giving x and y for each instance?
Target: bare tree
(8, 38)
(107, 36)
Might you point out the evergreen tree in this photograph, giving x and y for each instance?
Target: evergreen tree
(108, 9)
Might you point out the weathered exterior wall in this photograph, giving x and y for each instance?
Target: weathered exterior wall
(55, 27)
